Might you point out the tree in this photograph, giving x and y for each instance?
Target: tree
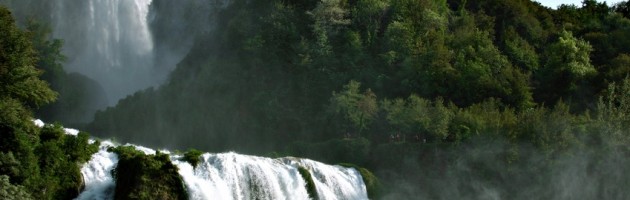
(408, 114)
(519, 51)
(20, 88)
(619, 68)
(595, 9)
(566, 67)
(484, 71)
(359, 109)
(19, 79)
(48, 52)
(368, 16)
(623, 8)
(613, 111)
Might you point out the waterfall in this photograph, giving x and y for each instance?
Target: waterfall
(128, 45)
(99, 183)
(108, 41)
(334, 182)
(234, 176)
(231, 176)
(119, 46)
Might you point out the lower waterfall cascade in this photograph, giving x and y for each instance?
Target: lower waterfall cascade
(230, 176)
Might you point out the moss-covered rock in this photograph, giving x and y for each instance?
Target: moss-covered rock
(372, 184)
(140, 176)
(310, 185)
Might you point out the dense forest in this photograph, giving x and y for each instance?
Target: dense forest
(442, 99)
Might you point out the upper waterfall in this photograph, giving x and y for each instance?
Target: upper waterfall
(114, 48)
(108, 41)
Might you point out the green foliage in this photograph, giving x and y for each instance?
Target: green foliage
(359, 109)
(48, 52)
(59, 159)
(9, 191)
(368, 15)
(419, 116)
(310, 185)
(570, 55)
(18, 75)
(48, 166)
(566, 69)
(612, 114)
(619, 67)
(140, 176)
(192, 156)
(520, 51)
(9, 165)
(330, 13)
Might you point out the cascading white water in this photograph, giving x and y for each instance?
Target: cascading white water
(99, 183)
(231, 176)
(333, 182)
(234, 176)
(108, 41)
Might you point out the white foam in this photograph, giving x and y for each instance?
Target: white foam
(99, 183)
